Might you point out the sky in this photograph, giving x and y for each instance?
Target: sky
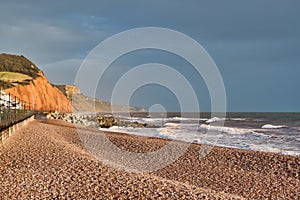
(255, 45)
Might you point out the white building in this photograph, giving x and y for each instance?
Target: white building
(7, 102)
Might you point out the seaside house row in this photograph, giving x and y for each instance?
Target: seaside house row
(7, 102)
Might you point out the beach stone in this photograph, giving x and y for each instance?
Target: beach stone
(97, 121)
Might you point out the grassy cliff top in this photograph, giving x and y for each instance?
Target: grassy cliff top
(14, 77)
(18, 64)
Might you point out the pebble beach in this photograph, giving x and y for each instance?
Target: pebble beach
(47, 160)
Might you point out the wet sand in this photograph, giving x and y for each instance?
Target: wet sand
(46, 159)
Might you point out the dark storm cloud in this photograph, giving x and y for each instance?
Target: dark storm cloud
(255, 44)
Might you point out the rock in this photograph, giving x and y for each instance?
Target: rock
(106, 122)
(96, 121)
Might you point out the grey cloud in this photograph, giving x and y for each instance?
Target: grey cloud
(247, 39)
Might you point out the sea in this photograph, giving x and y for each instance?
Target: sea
(267, 132)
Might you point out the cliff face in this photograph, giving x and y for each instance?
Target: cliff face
(82, 103)
(41, 95)
(69, 90)
(23, 79)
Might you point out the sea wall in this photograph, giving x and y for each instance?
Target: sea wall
(9, 130)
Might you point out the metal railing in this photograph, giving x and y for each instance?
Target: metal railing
(13, 110)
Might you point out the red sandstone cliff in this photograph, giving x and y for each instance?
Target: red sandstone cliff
(35, 89)
(23, 79)
(41, 95)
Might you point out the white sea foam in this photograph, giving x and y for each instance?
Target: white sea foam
(188, 119)
(153, 119)
(215, 119)
(145, 132)
(273, 150)
(180, 118)
(237, 119)
(170, 124)
(267, 139)
(270, 126)
(168, 133)
(229, 130)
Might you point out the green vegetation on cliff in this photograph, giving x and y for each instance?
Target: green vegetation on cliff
(18, 64)
(16, 70)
